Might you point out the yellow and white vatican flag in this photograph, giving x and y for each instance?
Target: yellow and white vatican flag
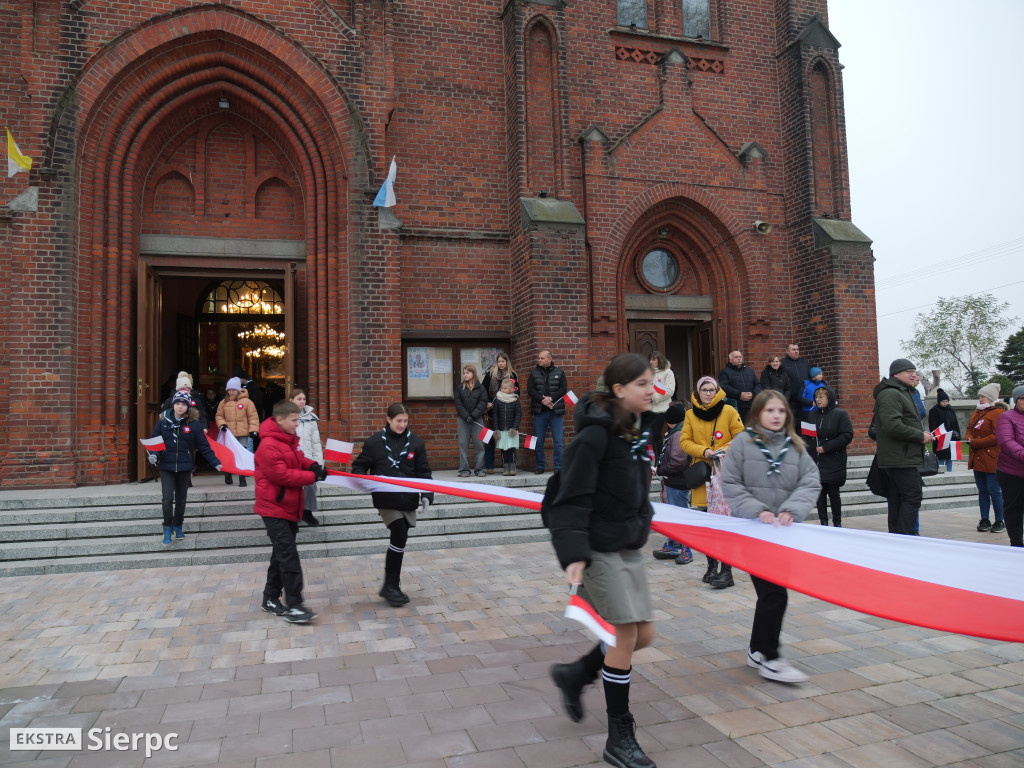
(16, 161)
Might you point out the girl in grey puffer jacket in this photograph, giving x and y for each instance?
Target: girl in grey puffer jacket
(768, 474)
(312, 448)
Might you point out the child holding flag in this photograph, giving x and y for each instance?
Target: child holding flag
(470, 406)
(507, 413)
(182, 437)
(769, 475)
(600, 517)
(238, 414)
(281, 473)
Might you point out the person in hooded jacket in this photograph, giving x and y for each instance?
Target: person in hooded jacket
(709, 427)
(237, 414)
(600, 518)
(984, 457)
(395, 452)
(197, 408)
(665, 381)
(311, 447)
(183, 435)
(281, 473)
(834, 433)
(1010, 467)
(942, 414)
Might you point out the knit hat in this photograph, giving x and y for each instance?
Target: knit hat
(899, 365)
(991, 391)
(814, 372)
(706, 380)
(234, 383)
(1017, 394)
(184, 381)
(675, 413)
(182, 397)
(941, 395)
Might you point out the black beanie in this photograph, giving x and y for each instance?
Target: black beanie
(675, 413)
(941, 395)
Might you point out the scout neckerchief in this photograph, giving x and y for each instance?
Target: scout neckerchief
(638, 447)
(773, 464)
(387, 445)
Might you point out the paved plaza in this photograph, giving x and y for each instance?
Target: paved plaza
(458, 678)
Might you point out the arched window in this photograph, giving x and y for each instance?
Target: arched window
(632, 13)
(243, 297)
(697, 18)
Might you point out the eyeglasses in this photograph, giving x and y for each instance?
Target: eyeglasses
(709, 391)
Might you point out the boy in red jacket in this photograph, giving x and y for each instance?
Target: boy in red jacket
(281, 473)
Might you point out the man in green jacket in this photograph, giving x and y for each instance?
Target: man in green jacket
(901, 442)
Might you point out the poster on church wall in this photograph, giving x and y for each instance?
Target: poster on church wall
(418, 362)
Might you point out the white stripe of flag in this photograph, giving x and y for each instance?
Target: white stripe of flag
(338, 450)
(957, 450)
(153, 443)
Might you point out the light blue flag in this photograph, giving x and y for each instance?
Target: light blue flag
(386, 197)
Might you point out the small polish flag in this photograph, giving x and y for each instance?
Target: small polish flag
(530, 442)
(659, 387)
(580, 610)
(942, 437)
(486, 435)
(808, 429)
(571, 397)
(153, 443)
(337, 450)
(958, 450)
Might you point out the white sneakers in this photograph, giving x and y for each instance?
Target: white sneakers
(779, 670)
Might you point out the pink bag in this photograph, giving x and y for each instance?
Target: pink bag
(716, 500)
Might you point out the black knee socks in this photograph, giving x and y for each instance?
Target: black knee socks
(616, 689)
(396, 547)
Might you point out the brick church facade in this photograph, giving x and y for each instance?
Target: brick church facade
(588, 177)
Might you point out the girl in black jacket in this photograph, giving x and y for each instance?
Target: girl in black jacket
(395, 452)
(834, 433)
(600, 517)
(183, 435)
(942, 414)
(507, 414)
(470, 405)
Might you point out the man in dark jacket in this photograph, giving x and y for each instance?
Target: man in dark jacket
(739, 382)
(547, 387)
(901, 442)
(798, 371)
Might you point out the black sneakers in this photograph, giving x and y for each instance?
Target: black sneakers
(298, 615)
(984, 525)
(273, 605)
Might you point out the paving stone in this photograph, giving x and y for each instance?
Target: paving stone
(941, 747)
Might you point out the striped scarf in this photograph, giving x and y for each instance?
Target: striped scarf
(774, 464)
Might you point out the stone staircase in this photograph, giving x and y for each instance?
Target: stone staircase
(114, 527)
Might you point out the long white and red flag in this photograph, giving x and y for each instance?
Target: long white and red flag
(234, 459)
(913, 579)
(338, 450)
(153, 443)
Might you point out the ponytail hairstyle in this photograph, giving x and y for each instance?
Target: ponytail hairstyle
(396, 409)
(622, 369)
(762, 399)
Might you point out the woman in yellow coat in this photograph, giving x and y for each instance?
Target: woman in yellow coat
(709, 426)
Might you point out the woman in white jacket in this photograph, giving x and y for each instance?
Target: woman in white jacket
(664, 390)
(311, 447)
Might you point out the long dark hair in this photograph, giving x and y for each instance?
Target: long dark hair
(395, 409)
(622, 369)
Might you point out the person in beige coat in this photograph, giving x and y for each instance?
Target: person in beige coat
(237, 413)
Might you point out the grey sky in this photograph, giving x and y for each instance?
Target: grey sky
(935, 123)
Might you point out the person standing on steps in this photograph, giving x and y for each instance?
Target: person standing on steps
(182, 436)
(942, 414)
(1010, 467)
(395, 452)
(834, 433)
(496, 374)
(664, 380)
(312, 448)
(708, 427)
(547, 388)
(470, 406)
(984, 457)
(798, 371)
(739, 382)
(774, 376)
(237, 413)
(600, 518)
(506, 415)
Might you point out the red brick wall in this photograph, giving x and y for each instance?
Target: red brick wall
(119, 103)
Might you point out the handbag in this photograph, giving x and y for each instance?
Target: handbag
(695, 475)
(931, 464)
(876, 480)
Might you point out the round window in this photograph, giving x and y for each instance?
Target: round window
(660, 269)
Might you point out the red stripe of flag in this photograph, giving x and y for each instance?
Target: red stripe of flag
(486, 435)
(806, 428)
(659, 388)
(957, 450)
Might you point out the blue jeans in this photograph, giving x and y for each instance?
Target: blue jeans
(677, 498)
(949, 465)
(489, 453)
(989, 491)
(541, 422)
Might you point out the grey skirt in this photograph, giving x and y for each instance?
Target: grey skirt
(615, 583)
(390, 515)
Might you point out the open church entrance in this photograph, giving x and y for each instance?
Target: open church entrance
(208, 323)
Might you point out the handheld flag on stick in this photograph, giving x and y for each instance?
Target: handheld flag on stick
(530, 442)
(958, 450)
(386, 197)
(337, 450)
(571, 398)
(808, 429)
(580, 610)
(16, 161)
(153, 443)
(942, 436)
(485, 434)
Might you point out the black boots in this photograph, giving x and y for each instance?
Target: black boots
(570, 680)
(724, 578)
(241, 481)
(622, 748)
(228, 479)
(392, 591)
(711, 572)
